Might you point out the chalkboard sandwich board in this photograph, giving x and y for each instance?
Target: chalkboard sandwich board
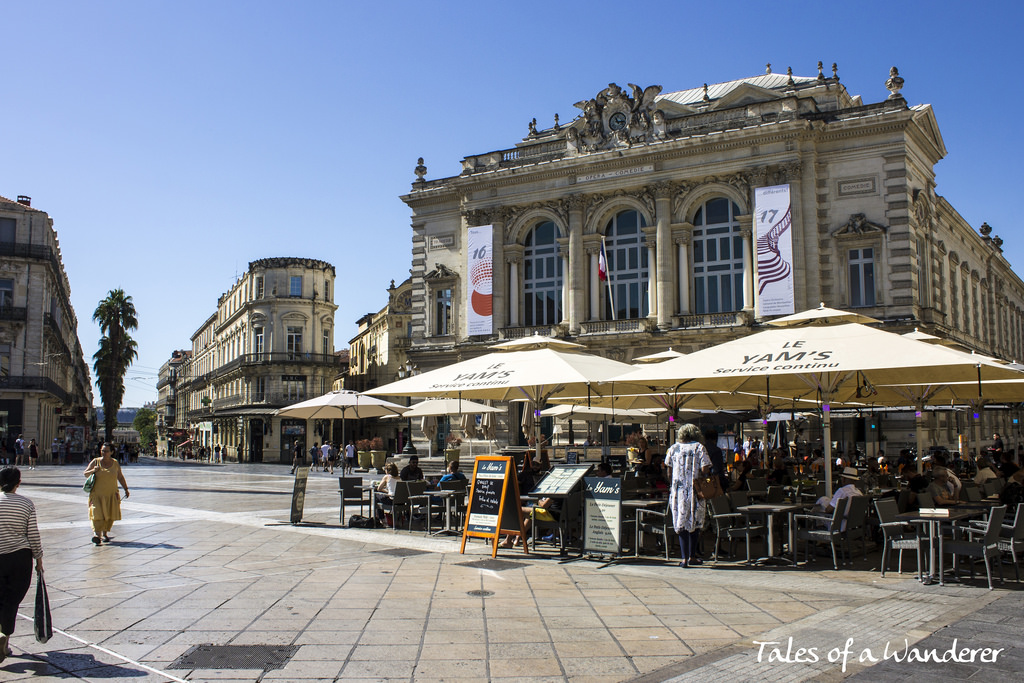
(494, 509)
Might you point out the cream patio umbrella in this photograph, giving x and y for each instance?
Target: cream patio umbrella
(441, 407)
(814, 362)
(428, 425)
(533, 368)
(342, 404)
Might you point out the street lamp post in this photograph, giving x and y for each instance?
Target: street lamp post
(408, 370)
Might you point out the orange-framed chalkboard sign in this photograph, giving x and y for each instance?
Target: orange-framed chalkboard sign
(494, 509)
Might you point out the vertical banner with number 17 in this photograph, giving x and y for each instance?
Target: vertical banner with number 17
(478, 301)
(774, 238)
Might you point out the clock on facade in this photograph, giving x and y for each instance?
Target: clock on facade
(617, 121)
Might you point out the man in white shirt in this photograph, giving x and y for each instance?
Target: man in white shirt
(849, 490)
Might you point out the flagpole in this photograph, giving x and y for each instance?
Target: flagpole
(608, 278)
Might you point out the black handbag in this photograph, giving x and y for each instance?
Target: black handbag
(43, 625)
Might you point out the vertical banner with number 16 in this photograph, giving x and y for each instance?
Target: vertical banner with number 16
(478, 301)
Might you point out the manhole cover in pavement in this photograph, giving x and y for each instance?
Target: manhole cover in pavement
(480, 594)
(493, 565)
(265, 657)
(401, 552)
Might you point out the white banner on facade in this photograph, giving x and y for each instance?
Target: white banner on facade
(478, 303)
(773, 221)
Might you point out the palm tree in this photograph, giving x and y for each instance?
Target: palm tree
(116, 317)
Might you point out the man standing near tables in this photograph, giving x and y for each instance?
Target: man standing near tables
(996, 449)
(716, 456)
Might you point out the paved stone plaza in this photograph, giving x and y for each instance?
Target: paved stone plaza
(198, 560)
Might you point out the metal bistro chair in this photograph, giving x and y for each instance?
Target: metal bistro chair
(775, 495)
(830, 533)
(857, 525)
(1011, 537)
(733, 525)
(757, 487)
(401, 504)
(350, 492)
(897, 536)
(459, 503)
(987, 548)
(657, 523)
(737, 499)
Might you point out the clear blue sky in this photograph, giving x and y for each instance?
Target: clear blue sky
(174, 142)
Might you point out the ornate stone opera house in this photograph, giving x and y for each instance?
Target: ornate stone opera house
(666, 181)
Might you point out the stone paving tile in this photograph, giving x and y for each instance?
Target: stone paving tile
(181, 562)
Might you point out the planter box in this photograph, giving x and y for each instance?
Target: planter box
(364, 459)
(451, 454)
(378, 458)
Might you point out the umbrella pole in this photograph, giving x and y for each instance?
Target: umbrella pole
(919, 426)
(827, 436)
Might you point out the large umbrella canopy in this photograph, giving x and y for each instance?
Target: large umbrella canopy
(342, 404)
(822, 315)
(436, 407)
(535, 368)
(545, 368)
(818, 362)
(583, 412)
(658, 357)
(488, 425)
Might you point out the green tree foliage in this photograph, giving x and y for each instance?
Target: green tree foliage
(116, 317)
(145, 424)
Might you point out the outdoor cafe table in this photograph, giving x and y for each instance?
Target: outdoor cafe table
(934, 523)
(449, 497)
(769, 510)
(634, 506)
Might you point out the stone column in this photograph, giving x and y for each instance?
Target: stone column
(513, 257)
(650, 240)
(747, 233)
(563, 256)
(499, 294)
(681, 236)
(576, 274)
(663, 217)
(594, 288)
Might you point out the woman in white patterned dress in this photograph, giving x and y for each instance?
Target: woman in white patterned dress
(687, 459)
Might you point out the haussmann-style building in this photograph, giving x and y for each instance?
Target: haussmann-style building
(45, 390)
(269, 344)
(685, 218)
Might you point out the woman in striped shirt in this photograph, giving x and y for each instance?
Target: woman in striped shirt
(19, 543)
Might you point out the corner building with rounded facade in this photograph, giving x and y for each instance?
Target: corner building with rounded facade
(665, 181)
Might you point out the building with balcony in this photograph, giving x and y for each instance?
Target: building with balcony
(378, 354)
(168, 430)
(269, 344)
(45, 387)
(632, 228)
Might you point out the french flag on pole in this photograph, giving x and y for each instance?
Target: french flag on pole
(602, 265)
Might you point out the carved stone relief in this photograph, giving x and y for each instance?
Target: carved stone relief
(859, 225)
(614, 119)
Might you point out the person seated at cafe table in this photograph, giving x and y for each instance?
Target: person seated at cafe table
(985, 471)
(412, 471)
(848, 490)
(740, 483)
(939, 488)
(386, 490)
(778, 476)
(870, 478)
(603, 470)
(453, 473)
(546, 510)
(1007, 466)
(953, 482)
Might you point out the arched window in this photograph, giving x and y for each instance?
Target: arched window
(542, 277)
(628, 274)
(717, 258)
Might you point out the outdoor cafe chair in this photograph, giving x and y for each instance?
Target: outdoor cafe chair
(775, 495)
(987, 548)
(903, 501)
(349, 488)
(737, 499)
(819, 529)
(970, 493)
(857, 524)
(400, 504)
(1011, 537)
(733, 525)
(459, 503)
(656, 523)
(897, 536)
(757, 486)
(925, 500)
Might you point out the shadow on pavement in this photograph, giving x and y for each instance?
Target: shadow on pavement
(147, 546)
(62, 663)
